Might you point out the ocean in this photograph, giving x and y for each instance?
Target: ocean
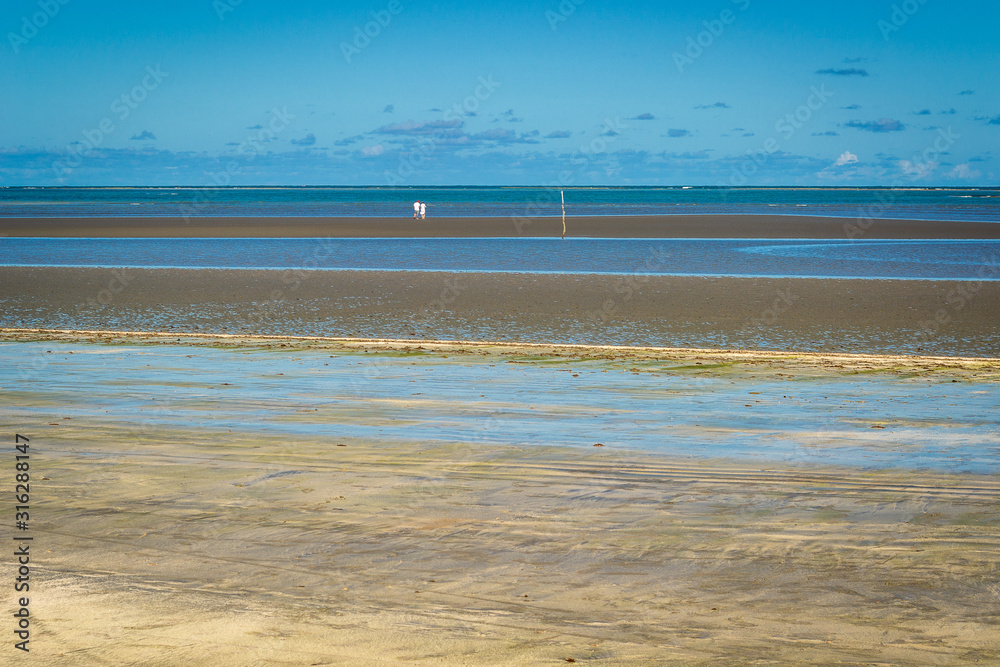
(973, 260)
(959, 204)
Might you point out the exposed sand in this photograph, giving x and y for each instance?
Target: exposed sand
(188, 525)
(747, 363)
(663, 226)
(941, 318)
(184, 519)
(302, 552)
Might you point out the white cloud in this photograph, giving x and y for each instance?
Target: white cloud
(964, 172)
(373, 151)
(847, 158)
(917, 170)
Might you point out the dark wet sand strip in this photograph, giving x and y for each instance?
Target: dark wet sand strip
(943, 318)
(662, 226)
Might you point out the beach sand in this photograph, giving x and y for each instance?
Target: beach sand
(182, 517)
(185, 516)
(299, 551)
(664, 226)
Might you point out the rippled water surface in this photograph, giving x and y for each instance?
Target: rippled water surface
(921, 259)
(876, 421)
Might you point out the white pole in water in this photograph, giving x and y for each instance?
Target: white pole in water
(563, 197)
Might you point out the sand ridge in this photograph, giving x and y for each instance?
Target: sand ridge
(515, 225)
(985, 368)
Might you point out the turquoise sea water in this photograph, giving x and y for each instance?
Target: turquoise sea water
(884, 259)
(982, 204)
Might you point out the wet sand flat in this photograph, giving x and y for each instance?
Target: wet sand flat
(954, 318)
(183, 517)
(661, 226)
(806, 491)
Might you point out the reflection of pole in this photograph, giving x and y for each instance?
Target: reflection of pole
(563, 197)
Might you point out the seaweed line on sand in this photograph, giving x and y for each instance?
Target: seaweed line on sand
(840, 361)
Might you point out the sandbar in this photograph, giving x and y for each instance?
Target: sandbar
(660, 226)
(920, 317)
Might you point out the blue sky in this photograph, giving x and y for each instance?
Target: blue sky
(575, 92)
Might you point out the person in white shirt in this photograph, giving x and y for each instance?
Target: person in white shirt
(416, 209)
(423, 209)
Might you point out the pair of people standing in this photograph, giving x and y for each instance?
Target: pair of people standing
(419, 209)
